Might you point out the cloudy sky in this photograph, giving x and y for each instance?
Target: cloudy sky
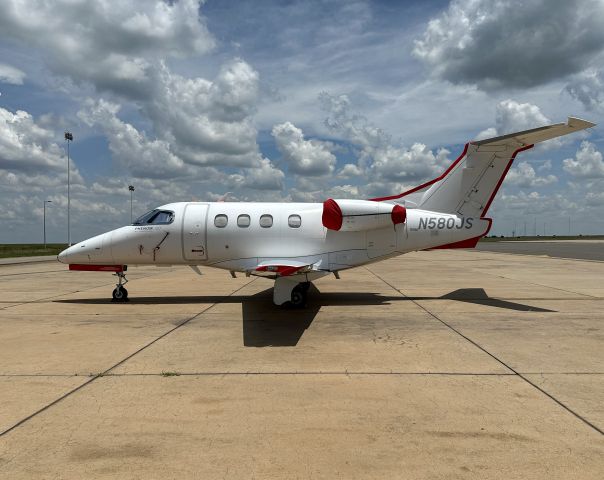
(303, 101)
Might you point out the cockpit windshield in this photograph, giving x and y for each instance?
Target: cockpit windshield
(155, 217)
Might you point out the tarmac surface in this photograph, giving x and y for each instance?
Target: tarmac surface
(579, 249)
(441, 364)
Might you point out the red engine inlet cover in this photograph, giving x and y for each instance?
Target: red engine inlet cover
(399, 214)
(332, 215)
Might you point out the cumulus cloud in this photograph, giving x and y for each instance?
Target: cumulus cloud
(525, 203)
(304, 157)
(511, 116)
(511, 43)
(588, 162)
(208, 122)
(132, 149)
(524, 175)
(114, 45)
(594, 199)
(264, 177)
(379, 158)
(11, 75)
(154, 158)
(588, 88)
(30, 149)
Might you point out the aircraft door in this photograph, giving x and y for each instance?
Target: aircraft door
(194, 232)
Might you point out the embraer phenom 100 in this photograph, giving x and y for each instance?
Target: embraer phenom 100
(296, 243)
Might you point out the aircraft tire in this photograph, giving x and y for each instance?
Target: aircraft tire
(298, 296)
(120, 294)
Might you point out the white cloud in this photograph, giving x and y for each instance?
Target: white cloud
(264, 177)
(588, 162)
(379, 159)
(524, 175)
(208, 122)
(132, 149)
(545, 166)
(512, 116)
(11, 75)
(588, 88)
(349, 170)
(29, 150)
(594, 199)
(113, 44)
(304, 157)
(511, 43)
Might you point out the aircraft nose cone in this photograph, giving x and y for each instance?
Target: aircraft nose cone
(63, 256)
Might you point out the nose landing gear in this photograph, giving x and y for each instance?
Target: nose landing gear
(120, 294)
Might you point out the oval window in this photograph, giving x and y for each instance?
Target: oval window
(266, 221)
(221, 220)
(243, 221)
(294, 221)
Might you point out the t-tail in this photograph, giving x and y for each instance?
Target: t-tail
(467, 188)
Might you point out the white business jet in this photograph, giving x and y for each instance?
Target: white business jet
(297, 243)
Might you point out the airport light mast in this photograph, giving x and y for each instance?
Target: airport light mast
(45, 202)
(68, 138)
(131, 188)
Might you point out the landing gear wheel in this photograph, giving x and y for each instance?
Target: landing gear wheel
(299, 295)
(120, 294)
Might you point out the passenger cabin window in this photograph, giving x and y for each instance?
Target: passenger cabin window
(294, 221)
(243, 221)
(221, 220)
(155, 217)
(266, 221)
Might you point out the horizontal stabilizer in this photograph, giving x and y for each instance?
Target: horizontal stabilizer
(536, 135)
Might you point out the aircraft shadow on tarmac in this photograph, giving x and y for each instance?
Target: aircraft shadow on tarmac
(265, 325)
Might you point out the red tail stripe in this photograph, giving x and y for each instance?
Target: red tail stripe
(505, 172)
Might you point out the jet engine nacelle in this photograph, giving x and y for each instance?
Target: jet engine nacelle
(360, 215)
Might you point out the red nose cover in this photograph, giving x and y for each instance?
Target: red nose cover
(332, 215)
(398, 214)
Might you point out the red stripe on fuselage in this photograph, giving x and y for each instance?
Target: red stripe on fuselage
(96, 268)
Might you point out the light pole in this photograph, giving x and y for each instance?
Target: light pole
(131, 188)
(45, 202)
(68, 138)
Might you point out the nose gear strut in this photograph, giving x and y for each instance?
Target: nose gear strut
(120, 294)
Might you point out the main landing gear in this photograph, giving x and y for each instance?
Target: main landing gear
(120, 294)
(290, 292)
(299, 295)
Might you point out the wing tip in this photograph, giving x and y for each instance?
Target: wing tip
(579, 124)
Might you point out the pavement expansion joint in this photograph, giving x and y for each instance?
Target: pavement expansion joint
(121, 362)
(515, 372)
